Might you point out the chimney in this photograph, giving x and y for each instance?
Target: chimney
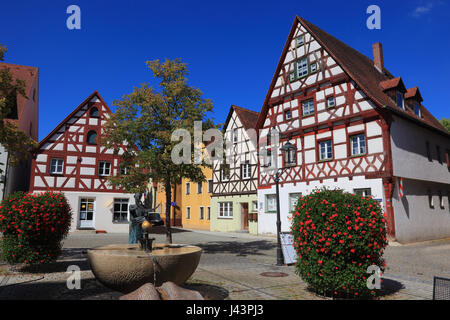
(378, 56)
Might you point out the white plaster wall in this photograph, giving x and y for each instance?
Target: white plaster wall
(267, 221)
(409, 153)
(103, 215)
(414, 219)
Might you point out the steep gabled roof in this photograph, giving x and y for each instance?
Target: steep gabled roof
(248, 117)
(62, 123)
(359, 68)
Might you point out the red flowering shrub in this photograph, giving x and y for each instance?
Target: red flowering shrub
(337, 236)
(33, 226)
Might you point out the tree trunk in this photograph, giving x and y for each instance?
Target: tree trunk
(168, 188)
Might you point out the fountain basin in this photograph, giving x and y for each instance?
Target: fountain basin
(125, 267)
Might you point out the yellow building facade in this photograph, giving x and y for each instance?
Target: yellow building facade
(193, 210)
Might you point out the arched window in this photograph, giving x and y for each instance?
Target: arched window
(93, 112)
(92, 137)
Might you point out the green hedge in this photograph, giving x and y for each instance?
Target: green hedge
(33, 227)
(337, 236)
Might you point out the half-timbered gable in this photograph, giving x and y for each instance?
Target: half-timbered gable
(72, 160)
(71, 157)
(341, 111)
(234, 201)
(237, 174)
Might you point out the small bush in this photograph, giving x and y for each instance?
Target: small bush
(337, 236)
(33, 227)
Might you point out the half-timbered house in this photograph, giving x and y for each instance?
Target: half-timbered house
(356, 127)
(71, 160)
(234, 200)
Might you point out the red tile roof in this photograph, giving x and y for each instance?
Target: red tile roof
(247, 117)
(413, 93)
(393, 83)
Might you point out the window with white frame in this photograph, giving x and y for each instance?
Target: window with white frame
(56, 166)
(417, 109)
(188, 188)
(225, 172)
(302, 67)
(210, 186)
(358, 144)
(293, 199)
(313, 67)
(288, 115)
(254, 205)
(300, 40)
(325, 150)
(246, 170)
(400, 101)
(201, 213)
(271, 203)
(199, 188)
(331, 102)
(104, 168)
(188, 212)
(430, 199)
(225, 209)
(363, 192)
(120, 213)
(308, 107)
(235, 135)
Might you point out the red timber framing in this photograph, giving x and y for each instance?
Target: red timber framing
(355, 111)
(81, 160)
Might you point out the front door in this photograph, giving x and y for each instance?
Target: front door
(87, 209)
(245, 215)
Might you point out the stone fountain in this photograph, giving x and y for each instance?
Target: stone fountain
(127, 267)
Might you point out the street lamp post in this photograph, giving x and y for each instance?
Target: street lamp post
(289, 150)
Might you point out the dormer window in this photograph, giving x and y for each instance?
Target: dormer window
(400, 101)
(417, 109)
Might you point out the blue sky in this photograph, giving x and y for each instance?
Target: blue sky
(231, 47)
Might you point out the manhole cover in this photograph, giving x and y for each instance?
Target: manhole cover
(274, 274)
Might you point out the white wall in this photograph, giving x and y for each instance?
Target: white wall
(267, 221)
(409, 153)
(414, 219)
(103, 215)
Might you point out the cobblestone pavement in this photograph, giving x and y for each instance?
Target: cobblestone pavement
(230, 268)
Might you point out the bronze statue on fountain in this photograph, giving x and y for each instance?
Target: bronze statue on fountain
(142, 217)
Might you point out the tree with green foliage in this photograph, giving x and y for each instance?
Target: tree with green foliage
(16, 142)
(446, 123)
(145, 120)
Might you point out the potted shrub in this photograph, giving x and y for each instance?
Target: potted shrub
(337, 236)
(33, 227)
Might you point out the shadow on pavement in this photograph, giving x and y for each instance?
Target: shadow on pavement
(209, 292)
(238, 248)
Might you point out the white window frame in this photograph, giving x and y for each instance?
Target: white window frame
(104, 166)
(274, 199)
(225, 210)
(302, 67)
(300, 40)
(246, 171)
(360, 144)
(121, 212)
(328, 148)
(363, 192)
(55, 164)
(188, 213)
(308, 110)
(188, 188)
(296, 195)
(333, 104)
